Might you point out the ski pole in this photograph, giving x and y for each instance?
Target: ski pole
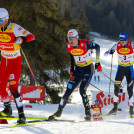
(96, 87)
(110, 79)
(30, 68)
(131, 82)
(110, 74)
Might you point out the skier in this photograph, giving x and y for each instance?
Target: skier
(125, 50)
(80, 53)
(96, 111)
(11, 36)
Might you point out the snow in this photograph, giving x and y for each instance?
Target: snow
(75, 111)
(110, 125)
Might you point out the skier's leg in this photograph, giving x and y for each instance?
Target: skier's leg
(73, 82)
(118, 80)
(3, 93)
(19, 104)
(83, 88)
(129, 78)
(13, 86)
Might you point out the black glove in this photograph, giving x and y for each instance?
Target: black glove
(97, 64)
(111, 51)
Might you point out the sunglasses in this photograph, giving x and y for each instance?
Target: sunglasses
(122, 41)
(2, 20)
(71, 38)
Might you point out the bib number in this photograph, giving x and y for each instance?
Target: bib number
(124, 57)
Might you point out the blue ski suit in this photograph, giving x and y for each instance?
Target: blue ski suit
(83, 70)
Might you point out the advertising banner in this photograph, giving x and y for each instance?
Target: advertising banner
(106, 100)
(31, 93)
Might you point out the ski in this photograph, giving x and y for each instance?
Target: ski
(27, 118)
(8, 117)
(35, 119)
(16, 125)
(112, 115)
(46, 120)
(30, 123)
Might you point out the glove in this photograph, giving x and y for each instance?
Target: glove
(71, 71)
(98, 67)
(111, 51)
(19, 40)
(121, 90)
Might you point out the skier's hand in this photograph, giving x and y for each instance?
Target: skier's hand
(98, 67)
(19, 40)
(111, 51)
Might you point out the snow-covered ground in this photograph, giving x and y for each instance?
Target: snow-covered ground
(109, 125)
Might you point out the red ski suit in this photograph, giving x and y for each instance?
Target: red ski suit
(10, 67)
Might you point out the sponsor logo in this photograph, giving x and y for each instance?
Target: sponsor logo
(105, 101)
(81, 62)
(125, 61)
(10, 55)
(85, 56)
(25, 31)
(6, 47)
(11, 77)
(5, 38)
(31, 93)
(20, 28)
(96, 109)
(124, 50)
(70, 33)
(122, 35)
(12, 82)
(130, 57)
(77, 51)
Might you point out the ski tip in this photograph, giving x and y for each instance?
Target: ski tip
(17, 125)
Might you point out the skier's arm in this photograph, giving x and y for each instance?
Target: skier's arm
(72, 64)
(111, 50)
(92, 45)
(22, 35)
(133, 45)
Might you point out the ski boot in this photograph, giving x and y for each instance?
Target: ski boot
(131, 111)
(22, 119)
(7, 110)
(114, 110)
(87, 113)
(56, 114)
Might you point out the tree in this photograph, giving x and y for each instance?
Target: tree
(47, 55)
(84, 26)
